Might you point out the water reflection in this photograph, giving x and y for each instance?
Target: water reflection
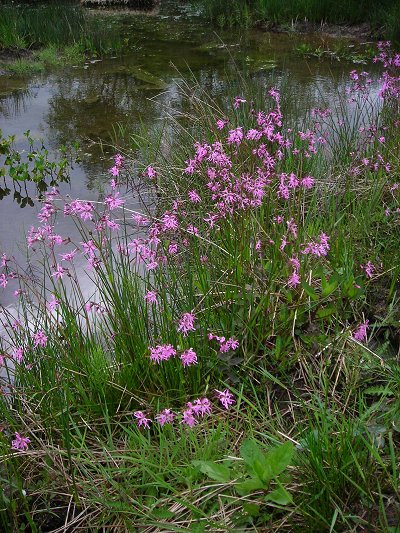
(88, 101)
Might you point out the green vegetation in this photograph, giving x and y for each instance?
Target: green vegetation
(53, 34)
(34, 166)
(383, 16)
(272, 255)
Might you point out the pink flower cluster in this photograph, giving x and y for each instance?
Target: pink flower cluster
(20, 442)
(190, 416)
(163, 352)
(360, 334)
(318, 249)
(186, 323)
(225, 345)
(116, 169)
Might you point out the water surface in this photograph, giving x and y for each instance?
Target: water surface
(89, 102)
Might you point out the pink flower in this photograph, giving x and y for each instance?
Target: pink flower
(235, 136)
(225, 397)
(170, 221)
(113, 201)
(114, 171)
(186, 323)
(360, 334)
(194, 196)
(307, 182)
(188, 418)
(165, 417)
(140, 219)
(318, 249)
(150, 173)
(189, 357)
(294, 279)
(89, 248)
(369, 269)
(119, 160)
(173, 249)
(40, 339)
(162, 352)
(69, 256)
(221, 124)
(202, 406)
(193, 230)
(226, 346)
(238, 100)
(18, 355)
(20, 442)
(141, 420)
(151, 297)
(55, 239)
(53, 303)
(3, 281)
(59, 272)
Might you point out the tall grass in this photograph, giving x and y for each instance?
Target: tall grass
(383, 18)
(308, 368)
(58, 24)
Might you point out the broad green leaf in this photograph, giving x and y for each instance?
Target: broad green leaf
(278, 459)
(328, 286)
(251, 509)
(249, 485)
(253, 457)
(215, 471)
(280, 496)
(324, 312)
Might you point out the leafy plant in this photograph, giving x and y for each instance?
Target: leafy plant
(33, 167)
(260, 474)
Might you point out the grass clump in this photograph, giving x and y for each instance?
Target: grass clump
(236, 364)
(54, 33)
(383, 18)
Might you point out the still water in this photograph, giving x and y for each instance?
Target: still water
(88, 102)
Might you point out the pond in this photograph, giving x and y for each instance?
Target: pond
(90, 102)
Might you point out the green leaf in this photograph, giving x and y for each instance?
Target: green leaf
(251, 509)
(328, 286)
(214, 471)
(249, 485)
(280, 496)
(278, 459)
(324, 312)
(309, 291)
(253, 457)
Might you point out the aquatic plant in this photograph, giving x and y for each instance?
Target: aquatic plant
(34, 167)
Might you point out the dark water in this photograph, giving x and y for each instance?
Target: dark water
(88, 102)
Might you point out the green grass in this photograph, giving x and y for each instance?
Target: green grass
(48, 58)
(383, 18)
(298, 375)
(55, 32)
